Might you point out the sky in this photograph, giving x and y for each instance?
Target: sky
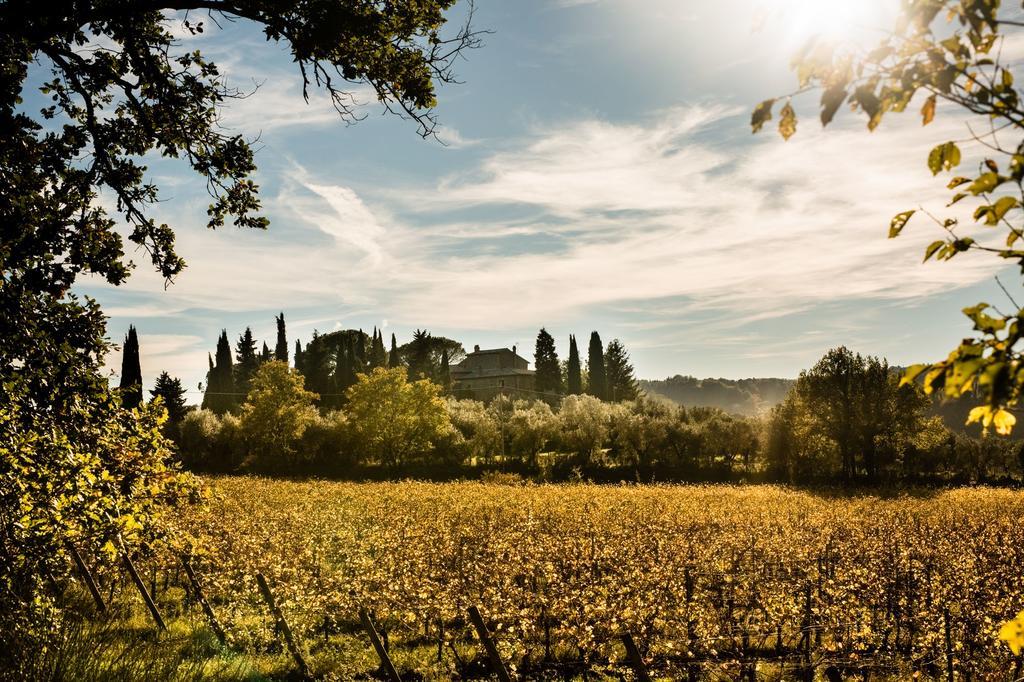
(596, 171)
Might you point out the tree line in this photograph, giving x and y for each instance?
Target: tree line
(352, 406)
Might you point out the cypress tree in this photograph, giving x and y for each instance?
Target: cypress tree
(445, 374)
(281, 348)
(378, 356)
(248, 362)
(596, 383)
(573, 380)
(548, 376)
(265, 355)
(131, 371)
(621, 381)
(220, 383)
(393, 359)
(299, 360)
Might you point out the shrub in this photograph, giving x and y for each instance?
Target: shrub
(276, 413)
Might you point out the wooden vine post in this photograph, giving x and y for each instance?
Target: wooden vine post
(83, 570)
(382, 653)
(949, 645)
(201, 598)
(497, 667)
(636, 661)
(141, 586)
(808, 667)
(282, 625)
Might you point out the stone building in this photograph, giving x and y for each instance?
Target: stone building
(484, 374)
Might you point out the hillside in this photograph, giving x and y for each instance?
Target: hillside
(738, 396)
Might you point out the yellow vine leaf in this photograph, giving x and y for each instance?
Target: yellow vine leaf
(1012, 633)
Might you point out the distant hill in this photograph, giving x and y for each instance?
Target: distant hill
(739, 396)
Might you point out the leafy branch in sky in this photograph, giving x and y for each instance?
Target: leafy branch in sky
(948, 51)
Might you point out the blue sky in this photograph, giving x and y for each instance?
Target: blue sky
(599, 174)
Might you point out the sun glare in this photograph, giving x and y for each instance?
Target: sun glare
(839, 21)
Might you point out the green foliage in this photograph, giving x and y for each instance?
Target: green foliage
(548, 376)
(86, 475)
(393, 419)
(949, 50)
(276, 414)
(850, 415)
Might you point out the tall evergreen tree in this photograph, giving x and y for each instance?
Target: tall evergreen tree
(393, 359)
(248, 362)
(548, 376)
(361, 347)
(378, 355)
(265, 355)
(573, 379)
(300, 363)
(220, 382)
(596, 382)
(170, 390)
(131, 371)
(621, 381)
(420, 365)
(445, 374)
(281, 348)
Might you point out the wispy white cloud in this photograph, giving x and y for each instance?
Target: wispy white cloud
(672, 217)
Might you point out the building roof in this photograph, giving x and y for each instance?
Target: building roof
(472, 373)
(492, 351)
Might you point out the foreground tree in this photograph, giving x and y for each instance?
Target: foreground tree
(138, 94)
(392, 419)
(276, 413)
(948, 51)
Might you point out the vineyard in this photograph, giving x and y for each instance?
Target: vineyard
(734, 583)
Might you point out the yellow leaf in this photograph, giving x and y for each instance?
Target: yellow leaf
(1012, 633)
(1004, 422)
(979, 413)
(928, 110)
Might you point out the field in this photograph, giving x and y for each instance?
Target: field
(713, 582)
